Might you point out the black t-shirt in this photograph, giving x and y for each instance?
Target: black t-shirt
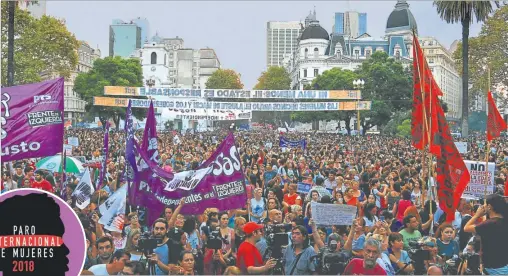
(494, 242)
(464, 237)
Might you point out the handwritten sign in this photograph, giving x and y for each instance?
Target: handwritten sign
(303, 188)
(461, 147)
(477, 171)
(73, 141)
(68, 149)
(333, 214)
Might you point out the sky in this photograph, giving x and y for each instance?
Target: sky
(236, 30)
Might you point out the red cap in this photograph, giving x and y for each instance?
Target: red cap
(250, 227)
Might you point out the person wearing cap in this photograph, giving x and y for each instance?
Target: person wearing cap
(41, 183)
(249, 260)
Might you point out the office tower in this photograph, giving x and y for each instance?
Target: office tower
(350, 23)
(281, 39)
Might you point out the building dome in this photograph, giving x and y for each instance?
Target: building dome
(314, 31)
(401, 18)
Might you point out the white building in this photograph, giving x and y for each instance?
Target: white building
(281, 39)
(443, 69)
(74, 106)
(166, 63)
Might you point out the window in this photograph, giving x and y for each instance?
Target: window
(431, 60)
(306, 52)
(316, 52)
(316, 72)
(164, 59)
(304, 73)
(367, 53)
(397, 54)
(153, 58)
(357, 53)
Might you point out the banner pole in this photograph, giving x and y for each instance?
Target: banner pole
(487, 151)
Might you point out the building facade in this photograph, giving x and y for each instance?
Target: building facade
(351, 23)
(124, 38)
(281, 39)
(318, 51)
(74, 106)
(443, 69)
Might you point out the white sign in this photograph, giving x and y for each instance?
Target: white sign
(476, 187)
(68, 149)
(333, 214)
(73, 141)
(84, 191)
(113, 210)
(461, 147)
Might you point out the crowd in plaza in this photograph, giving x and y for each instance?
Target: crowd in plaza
(399, 228)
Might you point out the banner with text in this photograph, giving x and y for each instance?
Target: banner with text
(333, 214)
(285, 143)
(32, 120)
(240, 106)
(477, 171)
(233, 94)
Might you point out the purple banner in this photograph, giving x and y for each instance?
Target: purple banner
(32, 120)
(150, 144)
(105, 161)
(218, 183)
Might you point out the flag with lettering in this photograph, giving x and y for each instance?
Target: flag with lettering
(150, 141)
(105, 161)
(113, 210)
(424, 116)
(84, 191)
(495, 122)
(452, 173)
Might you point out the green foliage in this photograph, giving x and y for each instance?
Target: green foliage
(224, 79)
(478, 121)
(488, 48)
(404, 130)
(110, 71)
(388, 85)
(40, 45)
(275, 78)
(397, 118)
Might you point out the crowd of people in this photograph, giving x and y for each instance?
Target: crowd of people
(399, 228)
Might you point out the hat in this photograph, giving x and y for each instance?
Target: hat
(250, 227)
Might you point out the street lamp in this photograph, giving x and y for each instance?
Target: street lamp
(358, 84)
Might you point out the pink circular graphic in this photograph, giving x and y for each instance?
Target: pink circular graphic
(50, 217)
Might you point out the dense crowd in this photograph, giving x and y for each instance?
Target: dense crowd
(399, 228)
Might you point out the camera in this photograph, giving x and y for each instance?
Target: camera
(277, 237)
(147, 243)
(214, 240)
(418, 255)
(455, 264)
(329, 262)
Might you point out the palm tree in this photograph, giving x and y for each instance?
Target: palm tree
(464, 12)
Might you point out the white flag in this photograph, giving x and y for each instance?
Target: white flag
(113, 210)
(84, 191)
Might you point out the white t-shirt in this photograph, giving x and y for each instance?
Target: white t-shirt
(99, 269)
(258, 207)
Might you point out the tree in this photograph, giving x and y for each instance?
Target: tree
(334, 79)
(224, 79)
(275, 78)
(110, 71)
(40, 45)
(388, 85)
(488, 48)
(464, 12)
(404, 130)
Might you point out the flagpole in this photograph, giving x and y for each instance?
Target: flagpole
(487, 152)
(430, 156)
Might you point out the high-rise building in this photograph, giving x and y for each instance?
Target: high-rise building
(145, 28)
(281, 39)
(36, 8)
(351, 23)
(443, 69)
(124, 38)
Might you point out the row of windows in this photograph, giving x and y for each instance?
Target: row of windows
(316, 73)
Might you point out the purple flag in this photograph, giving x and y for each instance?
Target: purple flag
(218, 182)
(105, 161)
(130, 165)
(63, 193)
(32, 120)
(150, 144)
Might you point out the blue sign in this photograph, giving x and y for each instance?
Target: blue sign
(303, 188)
(285, 143)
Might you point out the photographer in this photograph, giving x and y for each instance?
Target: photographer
(249, 259)
(160, 256)
(214, 260)
(298, 256)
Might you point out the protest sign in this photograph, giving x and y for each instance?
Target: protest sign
(285, 143)
(73, 141)
(477, 171)
(84, 191)
(113, 210)
(461, 147)
(68, 149)
(333, 214)
(32, 120)
(303, 188)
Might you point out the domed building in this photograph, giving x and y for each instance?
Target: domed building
(319, 51)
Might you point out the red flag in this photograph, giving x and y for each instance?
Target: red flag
(424, 85)
(506, 187)
(495, 123)
(452, 173)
